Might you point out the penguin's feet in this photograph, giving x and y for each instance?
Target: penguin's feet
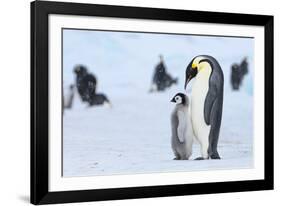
(215, 156)
(176, 158)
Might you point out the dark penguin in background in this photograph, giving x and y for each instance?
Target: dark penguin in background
(99, 99)
(244, 67)
(161, 79)
(86, 83)
(238, 72)
(235, 77)
(206, 103)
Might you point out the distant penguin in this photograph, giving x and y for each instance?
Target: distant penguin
(206, 103)
(69, 97)
(86, 83)
(99, 99)
(161, 79)
(244, 66)
(235, 76)
(182, 134)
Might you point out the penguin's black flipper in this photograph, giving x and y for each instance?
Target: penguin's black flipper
(209, 102)
(215, 122)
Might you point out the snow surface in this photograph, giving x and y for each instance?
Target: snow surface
(134, 135)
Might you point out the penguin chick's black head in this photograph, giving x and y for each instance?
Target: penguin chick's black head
(180, 98)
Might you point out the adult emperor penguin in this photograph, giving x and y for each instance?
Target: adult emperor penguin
(182, 134)
(206, 102)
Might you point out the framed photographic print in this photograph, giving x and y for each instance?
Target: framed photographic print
(131, 102)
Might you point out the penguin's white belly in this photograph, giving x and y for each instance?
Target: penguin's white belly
(200, 89)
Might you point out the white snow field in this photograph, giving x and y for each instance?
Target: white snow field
(134, 135)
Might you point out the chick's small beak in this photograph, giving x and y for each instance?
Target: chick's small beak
(173, 100)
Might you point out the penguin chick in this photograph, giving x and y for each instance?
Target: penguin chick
(182, 133)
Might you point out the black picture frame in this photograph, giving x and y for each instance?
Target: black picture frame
(39, 102)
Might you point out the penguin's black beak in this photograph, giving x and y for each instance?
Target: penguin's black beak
(173, 100)
(187, 80)
(190, 73)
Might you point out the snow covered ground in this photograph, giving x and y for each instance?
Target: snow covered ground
(134, 135)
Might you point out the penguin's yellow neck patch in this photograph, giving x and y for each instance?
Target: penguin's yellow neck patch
(203, 66)
(200, 66)
(194, 65)
(195, 62)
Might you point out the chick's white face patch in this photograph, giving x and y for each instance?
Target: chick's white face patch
(178, 99)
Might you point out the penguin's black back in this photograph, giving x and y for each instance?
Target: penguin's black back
(213, 105)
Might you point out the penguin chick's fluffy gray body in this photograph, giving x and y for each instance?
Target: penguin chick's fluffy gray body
(182, 133)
